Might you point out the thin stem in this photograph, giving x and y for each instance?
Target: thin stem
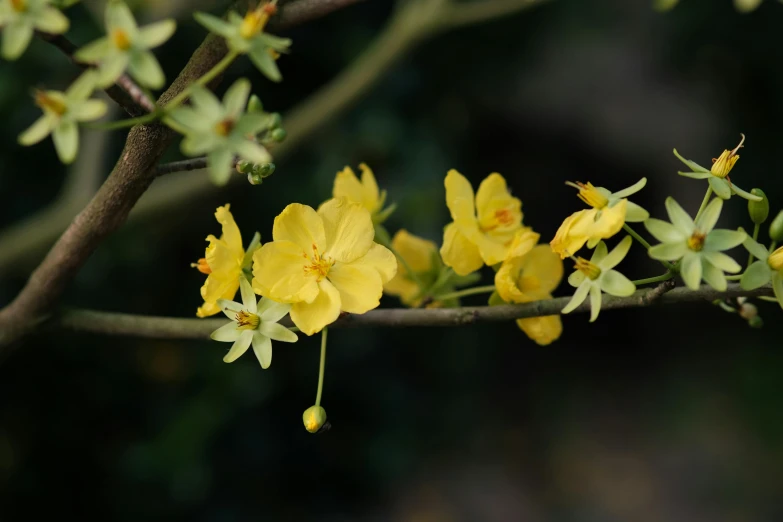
(321, 368)
(656, 279)
(208, 77)
(704, 202)
(468, 291)
(646, 245)
(735, 277)
(773, 245)
(755, 237)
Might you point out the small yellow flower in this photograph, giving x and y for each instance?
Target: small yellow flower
(775, 259)
(364, 192)
(725, 162)
(610, 210)
(323, 262)
(484, 224)
(532, 277)
(223, 264)
(419, 254)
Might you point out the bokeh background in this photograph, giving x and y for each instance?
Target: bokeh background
(646, 415)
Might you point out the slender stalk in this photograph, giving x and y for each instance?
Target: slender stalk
(656, 279)
(321, 368)
(704, 202)
(735, 277)
(468, 291)
(756, 228)
(669, 266)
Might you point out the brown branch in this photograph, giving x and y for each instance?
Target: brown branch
(107, 323)
(299, 12)
(125, 92)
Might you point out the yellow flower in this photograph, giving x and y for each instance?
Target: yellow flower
(223, 264)
(610, 210)
(364, 192)
(725, 162)
(323, 262)
(418, 254)
(775, 259)
(532, 277)
(484, 225)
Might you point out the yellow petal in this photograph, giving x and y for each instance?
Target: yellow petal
(416, 251)
(359, 285)
(380, 259)
(349, 230)
(348, 186)
(322, 311)
(279, 273)
(369, 189)
(459, 253)
(498, 211)
(506, 279)
(301, 225)
(524, 240)
(231, 234)
(459, 197)
(214, 288)
(491, 250)
(610, 221)
(545, 267)
(542, 330)
(222, 259)
(566, 242)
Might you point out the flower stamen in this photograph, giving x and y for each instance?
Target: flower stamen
(120, 39)
(589, 194)
(589, 269)
(19, 6)
(202, 266)
(50, 103)
(225, 127)
(696, 241)
(722, 165)
(319, 267)
(255, 20)
(247, 321)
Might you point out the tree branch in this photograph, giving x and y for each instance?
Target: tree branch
(125, 92)
(299, 12)
(459, 14)
(108, 323)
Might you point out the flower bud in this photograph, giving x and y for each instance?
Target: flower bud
(278, 134)
(275, 120)
(243, 167)
(255, 105)
(756, 322)
(264, 169)
(748, 311)
(254, 179)
(314, 418)
(758, 210)
(776, 228)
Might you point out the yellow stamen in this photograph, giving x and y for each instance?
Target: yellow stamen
(723, 165)
(247, 321)
(19, 6)
(589, 194)
(587, 268)
(120, 39)
(775, 259)
(50, 103)
(202, 266)
(696, 241)
(319, 266)
(274, 54)
(225, 127)
(255, 20)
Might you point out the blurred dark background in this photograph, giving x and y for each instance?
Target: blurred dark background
(645, 415)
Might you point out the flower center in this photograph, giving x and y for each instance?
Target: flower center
(255, 20)
(587, 268)
(723, 165)
(202, 266)
(120, 39)
(501, 217)
(19, 6)
(589, 194)
(319, 266)
(225, 127)
(696, 241)
(247, 321)
(50, 103)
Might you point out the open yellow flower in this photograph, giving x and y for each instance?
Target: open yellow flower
(532, 277)
(364, 192)
(419, 254)
(323, 262)
(222, 263)
(610, 210)
(484, 224)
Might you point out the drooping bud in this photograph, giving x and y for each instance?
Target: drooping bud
(264, 169)
(255, 105)
(748, 310)
(279, 134)
(254, 179)
(314, 419)
(758, 210)
(776, 227)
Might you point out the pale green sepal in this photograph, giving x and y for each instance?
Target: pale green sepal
(248, 296)
(119, 15)
(709, 217)
(692, 164)
(720, 187)
(252, 151)
(595, 302)
(758, 250)
(579, 296)
(633, 189)
(495, 299)
(745, 195)
(94, 51)
(262, 346)
(214, 24)
(144, 67)
(66, 141)
(278, 332)
(239, 347)
(219, 162)
(679, 217)
(663, 231)
(236, 96)
(155, 34)
(272, 310)
(615, 283)
(634, 213)
(51, 21)
(724, 239)
(758, 274)
(690, 270)
(618, 253)
(229, 307)
(254, 245)
(695, 175)
(265, 63)
(88, 110)
(722, 261)
(16, 38)
(227, 333)
(37, 131)
(576, 278)
(668, 251)
(777, 287)
(713, 276)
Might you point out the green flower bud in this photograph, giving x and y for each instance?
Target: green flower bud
(243, 167)
(264, 169)
(275, 120)
(278, 134)
(756, 322)
(758, 210)
(748, 311)
(255, 179)
(776, 228)
(255, 105)
(314, 419)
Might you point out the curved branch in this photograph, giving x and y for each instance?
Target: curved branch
(108, 323)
